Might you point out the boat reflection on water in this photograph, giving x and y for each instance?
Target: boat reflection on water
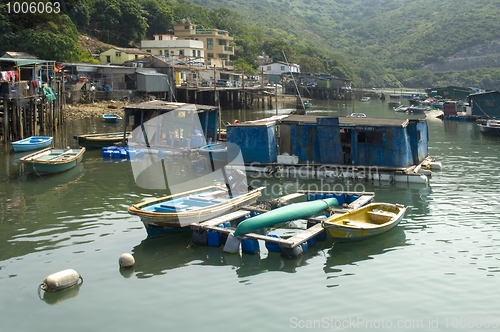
(349, 253)
(155, 256)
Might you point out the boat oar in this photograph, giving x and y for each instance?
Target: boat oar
(284, 214)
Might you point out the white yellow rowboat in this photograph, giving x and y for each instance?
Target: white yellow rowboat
(364, 223)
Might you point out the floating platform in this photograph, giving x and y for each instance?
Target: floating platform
(413, 174)
(213, 232)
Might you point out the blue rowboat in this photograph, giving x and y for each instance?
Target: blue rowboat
(216, 151)
(111, 118)
(364, 223)
(175, 213)
(51, 160)
(32, 143)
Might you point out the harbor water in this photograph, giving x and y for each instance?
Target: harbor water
(438, 270)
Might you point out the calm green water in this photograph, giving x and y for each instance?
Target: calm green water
(438, 270)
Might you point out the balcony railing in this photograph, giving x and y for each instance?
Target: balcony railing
(204, 32)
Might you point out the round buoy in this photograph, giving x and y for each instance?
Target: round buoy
(60, 280)
(126, 260)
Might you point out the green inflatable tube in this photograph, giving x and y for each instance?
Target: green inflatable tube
(284, 214)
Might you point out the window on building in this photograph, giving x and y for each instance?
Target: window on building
(108, 58)
(181, 52)
(210, 43)
(222, 42)
(165, 52)
(118, 53)
(199, 53)
(161, 52)
(160, 37)
(194, 52)
(268, 68)
(149, 51)
(419, 136)
(282, 68)
(210, 55)
(370, 137)
(136, 57)
(186, 27)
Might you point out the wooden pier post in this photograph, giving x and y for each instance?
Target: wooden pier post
(5, 120)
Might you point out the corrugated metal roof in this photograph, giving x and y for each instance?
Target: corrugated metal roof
(24, 62)
(348, 121)
(161, 105)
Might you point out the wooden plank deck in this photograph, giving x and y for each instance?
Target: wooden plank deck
(289, 243)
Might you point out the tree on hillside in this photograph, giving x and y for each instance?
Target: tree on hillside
(159, 18)
(121, 19)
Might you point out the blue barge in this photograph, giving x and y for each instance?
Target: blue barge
(370, 148)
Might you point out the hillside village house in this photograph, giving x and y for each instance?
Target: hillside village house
(216, 43)
(118, 55)
(279, 68)
(169, 46)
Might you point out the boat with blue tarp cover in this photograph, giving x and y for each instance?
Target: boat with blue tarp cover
(174, 213)
(32, 143)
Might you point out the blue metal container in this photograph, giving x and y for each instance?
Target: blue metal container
(257, 142)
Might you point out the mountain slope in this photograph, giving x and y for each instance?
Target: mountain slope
(397, 33)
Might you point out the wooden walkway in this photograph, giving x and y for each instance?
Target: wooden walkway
(290, 246)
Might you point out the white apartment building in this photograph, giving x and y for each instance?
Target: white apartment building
(169, 46)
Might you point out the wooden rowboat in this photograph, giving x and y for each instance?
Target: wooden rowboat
(364, 223)
(32, 143)
(98, 141)
(175, 213)
(51, 160)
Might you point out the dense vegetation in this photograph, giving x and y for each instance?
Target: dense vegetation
(373, 42)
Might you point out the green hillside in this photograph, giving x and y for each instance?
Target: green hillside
(373, 42)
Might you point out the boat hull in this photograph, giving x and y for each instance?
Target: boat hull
(32, 143)
(357, 225)
(489, 130)
(111, 118)
(216, 152)
(99, 141)
(41, 164)
(161, 223)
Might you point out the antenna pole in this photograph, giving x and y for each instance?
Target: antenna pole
(295, 83)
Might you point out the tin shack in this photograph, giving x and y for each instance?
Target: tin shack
(393, 146)
(171, 124)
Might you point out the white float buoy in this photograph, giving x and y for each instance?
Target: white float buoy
(60, 280)
(126, 260)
